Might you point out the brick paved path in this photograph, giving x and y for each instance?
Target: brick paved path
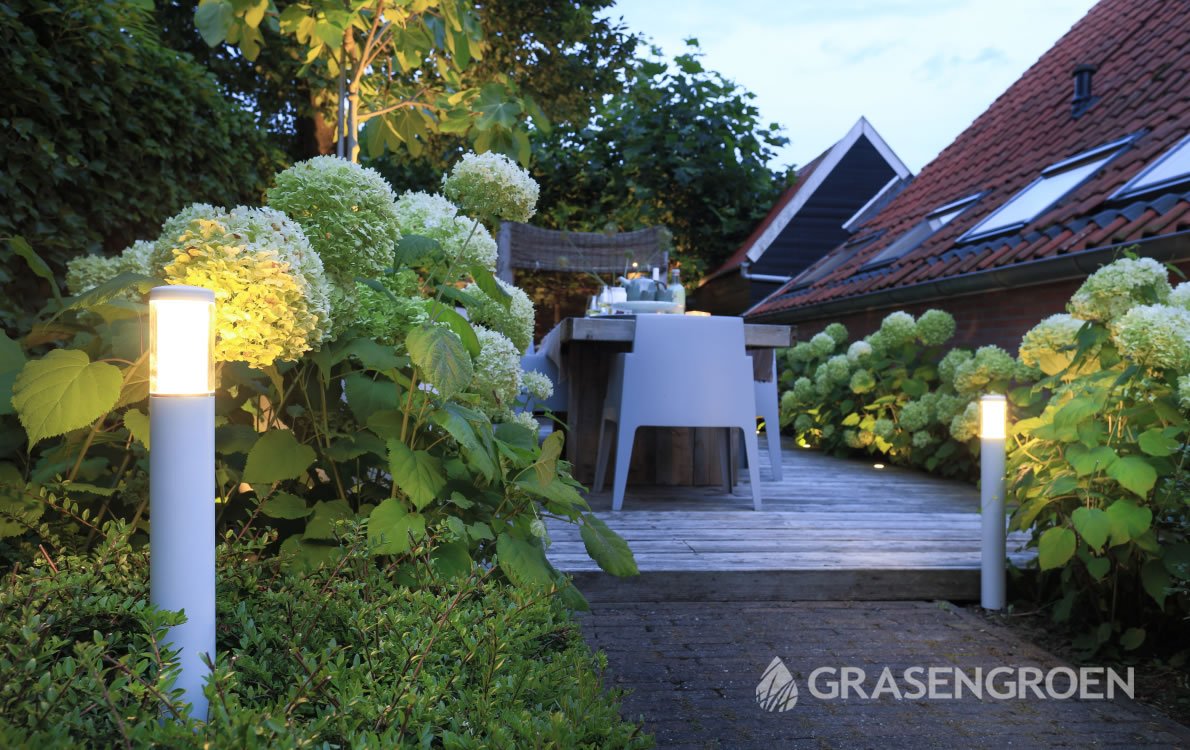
(693, 669)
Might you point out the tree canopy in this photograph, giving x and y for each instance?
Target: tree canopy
(681, 147)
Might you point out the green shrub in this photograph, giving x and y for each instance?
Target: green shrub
(894, 393)
(342, 657)
(1101, 473)
(407, 415)
(108, 132)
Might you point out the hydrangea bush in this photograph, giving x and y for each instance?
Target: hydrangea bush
(369, 371)
(887, 394)
(1099, 471)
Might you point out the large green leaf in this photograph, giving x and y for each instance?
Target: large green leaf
(1093, 525)
(1133, 473)
(456, 420)
(64, 391)
(19, 509)
(441, 356)
(391, 528)
(285, 505)
(12, 359)
(1055, 547)
(277, 456)
(1128, 521)
(417, 473)
(488, 284)
(366, 395)
(1159, 442)
(326, 516)
(1155, 579)
(137, 423)
(1177, 560)
(213, 18)
(523, 562)
(1090, 460)
(451, 559)
(457, 323)
(606, 547)
(110, 289)
(1075, 411)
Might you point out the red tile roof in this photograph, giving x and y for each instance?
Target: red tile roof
(1141, 49)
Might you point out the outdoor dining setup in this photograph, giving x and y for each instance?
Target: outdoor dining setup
(660, 397)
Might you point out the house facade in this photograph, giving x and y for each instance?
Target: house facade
(1084, 158)
(844, 183)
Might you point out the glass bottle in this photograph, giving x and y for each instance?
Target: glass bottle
(677, 292)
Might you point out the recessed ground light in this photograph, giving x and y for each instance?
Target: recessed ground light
(877, 466)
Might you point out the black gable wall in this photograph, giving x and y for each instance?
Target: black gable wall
(818, 226)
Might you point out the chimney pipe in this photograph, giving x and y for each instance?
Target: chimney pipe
(1083, 99)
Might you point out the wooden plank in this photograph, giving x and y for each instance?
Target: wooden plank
(622, 329)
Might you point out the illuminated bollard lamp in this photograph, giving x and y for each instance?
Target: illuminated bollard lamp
(993, 427)
(182, 476)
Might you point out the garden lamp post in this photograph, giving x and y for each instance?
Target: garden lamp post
(993, 426)
(182, 476)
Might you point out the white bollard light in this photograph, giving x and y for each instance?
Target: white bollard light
(182, 476)
(993, 426)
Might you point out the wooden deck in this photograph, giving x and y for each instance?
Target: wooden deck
(832, 529)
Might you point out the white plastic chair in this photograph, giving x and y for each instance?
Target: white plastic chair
(768, 408)
(683, 371)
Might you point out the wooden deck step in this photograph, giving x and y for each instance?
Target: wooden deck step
(834, 529)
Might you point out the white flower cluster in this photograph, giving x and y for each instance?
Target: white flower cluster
(516, 321)
(1116, 288)
(347, 211)
(859, 350)
(538, 385)
(162, 253)
(1180, 296)
(461, 239)
(1050, 345)
(497, 375)
(1155, 336)
(822, 344)
(491, 186)
(86, 272)
(898, 329)
(990, 365)
(935, 327)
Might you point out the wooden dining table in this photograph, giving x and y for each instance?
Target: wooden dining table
(583, 349)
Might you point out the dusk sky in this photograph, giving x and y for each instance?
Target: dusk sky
(919, 70)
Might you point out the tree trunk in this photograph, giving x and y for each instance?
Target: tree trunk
(316, 136)
(350, 52)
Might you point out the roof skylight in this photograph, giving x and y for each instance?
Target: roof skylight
(921, 231)
(1173, 167)
(1054, 183)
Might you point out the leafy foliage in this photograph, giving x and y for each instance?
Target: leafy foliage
(345, 656)
(416, 431)
(105, 129)
(681, 147)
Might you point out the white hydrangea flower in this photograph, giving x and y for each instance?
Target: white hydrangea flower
(914, 416)
(836, 331)
(898, 329)
(347, 212)
(935, 327)
(859, 350)
(1180, 296)
(516, 321)
(1116, 288)
(922, 439)
(837, 369)
(1156, 336)
(1049, 345)
(822, 344)
(463, 242)
(524, 419)
(538, 385)
(884, 428)
(990, 364)
(492, 186)
(965, 425)
(162, 253)
(86, 272)
(497, 374)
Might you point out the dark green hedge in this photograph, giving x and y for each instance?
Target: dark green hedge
(107, 133)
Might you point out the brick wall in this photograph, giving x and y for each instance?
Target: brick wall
(999, 318)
